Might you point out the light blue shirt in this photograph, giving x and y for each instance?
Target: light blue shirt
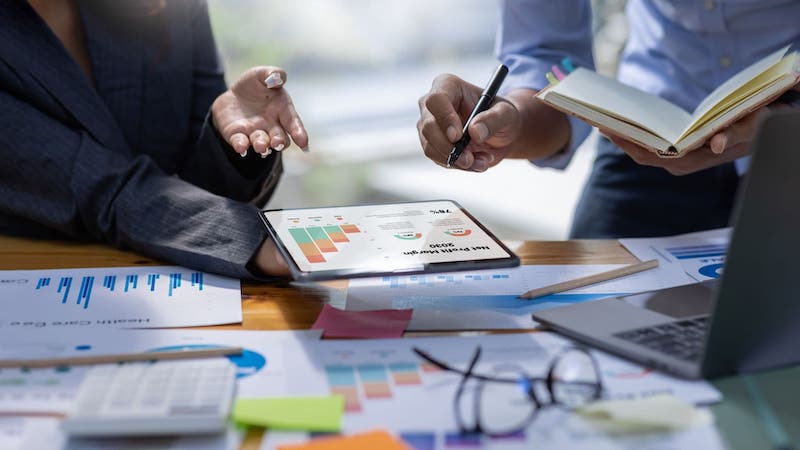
(678, 49)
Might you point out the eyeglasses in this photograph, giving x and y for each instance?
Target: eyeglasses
(507, 399)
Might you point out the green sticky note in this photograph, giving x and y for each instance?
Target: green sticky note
(291, 413)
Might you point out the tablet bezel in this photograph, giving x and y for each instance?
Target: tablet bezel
(451, 266)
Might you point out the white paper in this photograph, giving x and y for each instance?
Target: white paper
(700, 255)
(121, 297)
(419, 401)
(26, 433)
(274, 363)
(489, 299)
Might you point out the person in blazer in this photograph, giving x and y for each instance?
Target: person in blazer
(116, 126)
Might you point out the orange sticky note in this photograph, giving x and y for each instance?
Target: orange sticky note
(370, 440)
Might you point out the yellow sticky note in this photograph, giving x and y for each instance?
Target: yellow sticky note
(370, 440)
(291, 413)
(659, 412)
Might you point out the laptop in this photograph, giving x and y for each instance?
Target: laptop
(749, 320)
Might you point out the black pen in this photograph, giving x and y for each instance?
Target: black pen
(487, 97)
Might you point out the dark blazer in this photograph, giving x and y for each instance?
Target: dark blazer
(133, 159)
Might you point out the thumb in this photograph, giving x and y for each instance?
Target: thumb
(272, 77)
(496, 123)
(740, 132)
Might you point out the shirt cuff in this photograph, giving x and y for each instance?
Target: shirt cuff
(579, 130)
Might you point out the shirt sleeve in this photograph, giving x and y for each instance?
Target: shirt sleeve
(85, 190)
(533, 36)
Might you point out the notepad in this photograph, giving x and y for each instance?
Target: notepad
(291, 413)
(661, 126)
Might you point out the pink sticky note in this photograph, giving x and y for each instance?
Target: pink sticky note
(382, 323)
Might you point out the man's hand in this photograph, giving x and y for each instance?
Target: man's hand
(728, 145)
(257, 111)
(443, 112)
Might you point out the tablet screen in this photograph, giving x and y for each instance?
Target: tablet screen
(387, 238)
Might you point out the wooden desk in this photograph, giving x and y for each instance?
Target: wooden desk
(281, 307)
(277, 306)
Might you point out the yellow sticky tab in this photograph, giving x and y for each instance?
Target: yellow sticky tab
(291, 413)
(370, 440)
(551, 78)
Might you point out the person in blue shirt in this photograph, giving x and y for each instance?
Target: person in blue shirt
(679, 50)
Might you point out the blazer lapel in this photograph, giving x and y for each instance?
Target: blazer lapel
(27, 43)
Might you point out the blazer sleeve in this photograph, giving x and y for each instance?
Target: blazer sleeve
(210, 162)
(61, 177)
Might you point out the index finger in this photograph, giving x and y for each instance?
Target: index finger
(291, 122)
(440, 106)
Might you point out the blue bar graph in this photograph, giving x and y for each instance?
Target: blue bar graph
(131, 281)
(398, 282)
(65, 284)
(84, 293)
(197, 277)
(151, 281)
(698, 251)
(174, 282)
(109, 282)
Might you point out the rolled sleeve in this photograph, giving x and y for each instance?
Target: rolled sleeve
(534, 35)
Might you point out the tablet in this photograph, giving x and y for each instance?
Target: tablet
(385, 239)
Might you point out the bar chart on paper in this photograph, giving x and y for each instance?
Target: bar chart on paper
(701, 255)
(119, 297)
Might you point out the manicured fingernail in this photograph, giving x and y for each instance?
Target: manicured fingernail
(483, 132)
(279, 147)
(452, 133)
(243, 154)
(274, 80)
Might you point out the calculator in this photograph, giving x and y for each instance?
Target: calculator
(154, 399)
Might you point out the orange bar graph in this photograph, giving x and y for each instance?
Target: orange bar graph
(342, 380)
(429, 368)
(336, 234)
(351, 400)
(306, 245)
(321, 239)
(405, 374)
(350, 229)
(377, 390)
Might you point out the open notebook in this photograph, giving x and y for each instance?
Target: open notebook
(658, 124)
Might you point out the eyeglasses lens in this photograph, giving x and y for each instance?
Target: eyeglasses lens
(575, 379)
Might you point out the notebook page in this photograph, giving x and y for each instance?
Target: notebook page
(605, 94)
(750, 89)
(729, 87)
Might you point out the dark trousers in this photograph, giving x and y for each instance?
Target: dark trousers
(624, 199)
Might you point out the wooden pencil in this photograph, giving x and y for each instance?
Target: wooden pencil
(591, 279)
(117, 358)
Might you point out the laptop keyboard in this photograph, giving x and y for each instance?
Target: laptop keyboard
(681, 339)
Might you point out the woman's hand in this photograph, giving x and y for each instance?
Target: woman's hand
(270, 261)
(728, 145)
(257, 111)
